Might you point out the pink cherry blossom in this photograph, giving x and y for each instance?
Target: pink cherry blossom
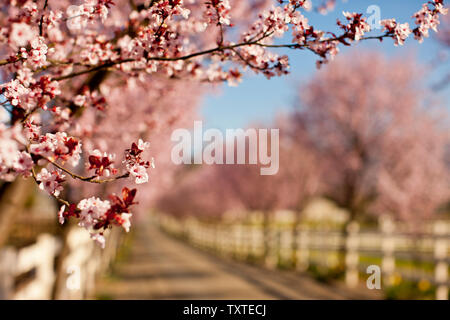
(400, 31)
(37, 57)
(21, 34)
(427, 19)
(58, 146)
(23, 163)
(143, 145)
(91, 211)
(135, 164)
(126, 223)
(103, 164)
(99, 239)
(50, 181)
(61, 214)
(140, 173)
(356, 27)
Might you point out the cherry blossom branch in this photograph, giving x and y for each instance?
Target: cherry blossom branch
(5, 62)
(29, 114)
(246, 61)
(96, 68)
(92, 179)
(10, 60)
(340, 38)
(221, 31)
(210, 51)
(41, 21)
(65, 202)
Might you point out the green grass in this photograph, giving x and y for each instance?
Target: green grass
(104, 296)
(324, 274)
(410, 290)
(401, 263)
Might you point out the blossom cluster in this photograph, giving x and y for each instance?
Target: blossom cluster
(89, 98)
(26, 94)
(218, 11)
(80, 16)
(13, 161)
(356, 27)
(426, 18)
(400, 31)
(102, 164)
(57, 146)
(50, 181)
(136, 166)
(20, 154)
(96, 215)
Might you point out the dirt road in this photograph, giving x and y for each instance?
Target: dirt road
(161, 267)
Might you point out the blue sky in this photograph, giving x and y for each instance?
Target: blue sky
(259, 99)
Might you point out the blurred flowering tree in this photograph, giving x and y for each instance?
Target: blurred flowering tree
(300, 171)
(209, 191)
(199, 192)
(382, 149)
(300, 165)
(84, 80)
(414, 179)
(444, 38)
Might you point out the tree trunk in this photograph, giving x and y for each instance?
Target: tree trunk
(12, 202)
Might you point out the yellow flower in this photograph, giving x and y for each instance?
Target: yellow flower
(424, 285)
(395, 279)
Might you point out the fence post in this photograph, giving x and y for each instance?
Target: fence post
(247, 241)
(440, 254)
(239, 241)
(7, 263)
(222, 246)
(351, 255)
(387, 246)
(46, 274)
(303, 251)
(235, 243)
(254, 241)
(272, 254)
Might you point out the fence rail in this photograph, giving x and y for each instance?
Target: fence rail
(32, 272)
(389, 247)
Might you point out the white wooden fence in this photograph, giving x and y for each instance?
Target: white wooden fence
(389, 244)
(36, 262)
(30, 272)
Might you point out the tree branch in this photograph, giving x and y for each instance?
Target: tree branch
(33, 172)
(92, 179)
(41, 21)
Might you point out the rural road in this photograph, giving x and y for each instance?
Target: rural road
(161, 267)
